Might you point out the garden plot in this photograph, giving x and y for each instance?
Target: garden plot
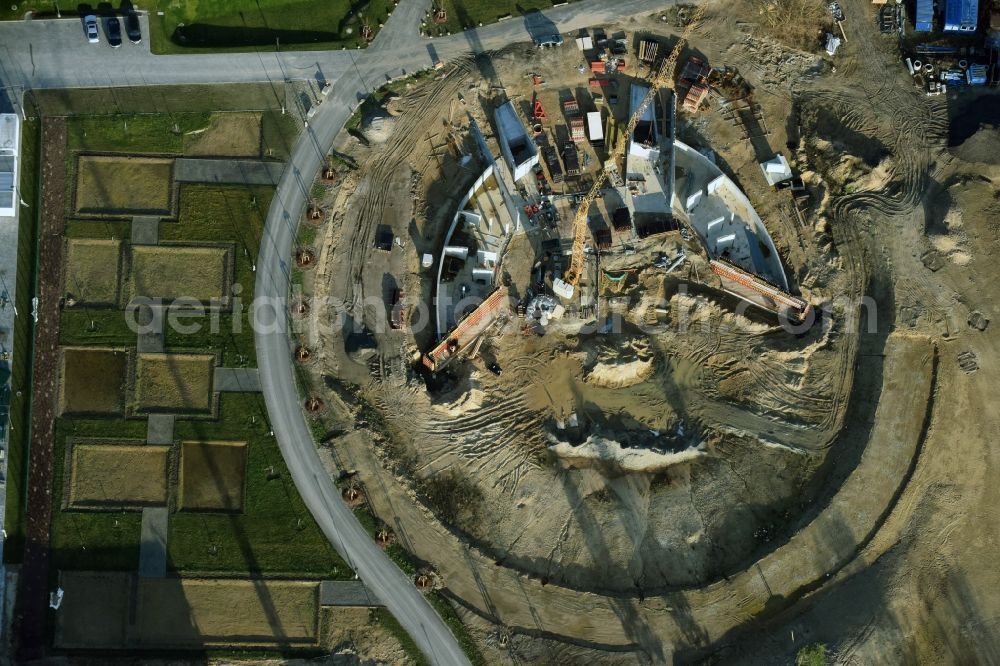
(174, 383)
(123, 185)
(227, 135)
(94, 610)
(212, 476)
(186, 612)
(110, 610)
(114, 475)
(93, 381)
(92, 271)
(201, 273)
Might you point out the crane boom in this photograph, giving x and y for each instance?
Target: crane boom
(664, 77)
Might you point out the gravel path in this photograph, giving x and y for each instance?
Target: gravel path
(32, 592)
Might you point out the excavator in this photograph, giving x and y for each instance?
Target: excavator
(664, 77)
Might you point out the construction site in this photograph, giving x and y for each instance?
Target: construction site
(635, 339)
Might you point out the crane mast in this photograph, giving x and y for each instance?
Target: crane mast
(664, 77)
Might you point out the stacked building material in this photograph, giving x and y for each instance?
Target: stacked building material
(551, 156)
(648, 49)
(571, 159)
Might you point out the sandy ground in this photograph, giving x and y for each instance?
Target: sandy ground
(829, 487)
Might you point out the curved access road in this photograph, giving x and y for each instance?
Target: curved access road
(397, 51)
(52, 54)
(294, 437)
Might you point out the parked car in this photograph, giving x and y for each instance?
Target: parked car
(494, 368)
(113, 30)
(132, 28)
(90, 25)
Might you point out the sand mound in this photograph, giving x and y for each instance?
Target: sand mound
(623, 366)
(982, 147)
(620, 375)
(464, 403)
(378, 128)
(949, 237)
(694, 311)
(599, 451)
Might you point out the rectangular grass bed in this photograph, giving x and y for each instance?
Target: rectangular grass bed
(174, 383)
(123, 185)
(172, 272)
(212, 475)
(118, 475)
(92, 270)
(92, 381)
(94, 610)
(227, 135)
(194, 612)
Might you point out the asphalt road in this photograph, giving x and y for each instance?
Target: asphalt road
(54, 54)
(274, 361)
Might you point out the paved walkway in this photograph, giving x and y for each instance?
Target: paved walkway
(346, 593)
(236, 380)
(150, 336)
(230, 172)
(145, 230)
(160, 429)
(153, 542)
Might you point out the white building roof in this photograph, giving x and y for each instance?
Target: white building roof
(10, 139)
(9, 133)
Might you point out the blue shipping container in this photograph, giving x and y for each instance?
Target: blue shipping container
(961, 15)
(925, 16)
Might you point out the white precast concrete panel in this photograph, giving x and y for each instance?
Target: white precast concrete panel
(516, 145)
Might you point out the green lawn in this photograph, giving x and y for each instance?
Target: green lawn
(166, 133)
(106, 540)
(464, 14)
(148, 133)
(174, 100)
(20, 406)
(209, 213)
(275, 533)
(237, 25)
(274, 522)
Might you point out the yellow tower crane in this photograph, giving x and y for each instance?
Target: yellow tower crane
(664, 77)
